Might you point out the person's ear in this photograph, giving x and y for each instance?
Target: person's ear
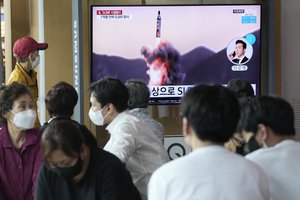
(263, 129)
(186, 131)
(262, 133)
(6, 114)
(31, 57)
(110, 109)
(83, 151)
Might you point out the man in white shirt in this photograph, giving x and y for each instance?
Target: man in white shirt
(131, 140)
(210, 172)
(138, 106)
(271, 119)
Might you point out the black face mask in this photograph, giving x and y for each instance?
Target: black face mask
(69, 172)
(251, 146)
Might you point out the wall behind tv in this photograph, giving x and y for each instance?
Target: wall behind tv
(290, 56)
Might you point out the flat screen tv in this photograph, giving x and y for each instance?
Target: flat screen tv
(174, 47)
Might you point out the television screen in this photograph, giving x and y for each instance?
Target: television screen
(172, 48)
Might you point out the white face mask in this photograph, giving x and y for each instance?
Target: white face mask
(25, 119)
(36, 62)
(96, 117)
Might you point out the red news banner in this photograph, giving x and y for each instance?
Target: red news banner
(112, 15)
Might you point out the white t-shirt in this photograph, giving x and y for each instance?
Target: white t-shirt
(209, 173)
(134, 143)
(281, 163)
(155, 126)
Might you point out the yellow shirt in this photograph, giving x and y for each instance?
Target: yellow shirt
(19, 75)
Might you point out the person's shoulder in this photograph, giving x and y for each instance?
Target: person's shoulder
(126, 119)
(235, 60)
(245, 59)
(173, 167)
(102, 157)
(35, 132)
(262, 157)
(273, 153)
(103, 162)
(3, 130)
(255, 153)
(16, 76)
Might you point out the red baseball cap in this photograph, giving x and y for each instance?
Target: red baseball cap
(24, 46)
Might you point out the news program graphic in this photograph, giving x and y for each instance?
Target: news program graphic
(158, 25)
(239, 52)
(202, 44)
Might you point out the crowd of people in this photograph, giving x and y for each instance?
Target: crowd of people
(243, 145)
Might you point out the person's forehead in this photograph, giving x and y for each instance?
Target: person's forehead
(94, 100)
(57, 156)
(24, 98)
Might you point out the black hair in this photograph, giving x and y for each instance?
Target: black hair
(8, 94)
(212, 111)
(138, 94)
(273, 112)
(61, 100)
(111, 90)
(242, 42)
(62, 135)
(67, 136)
(242, 89)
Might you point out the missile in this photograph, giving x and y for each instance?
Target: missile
(158, 25)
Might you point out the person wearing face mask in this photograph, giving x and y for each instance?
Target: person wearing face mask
(73, 169)
(242, 143)
(271, 120)
(19, 143)
(26, 52)
(131, 140)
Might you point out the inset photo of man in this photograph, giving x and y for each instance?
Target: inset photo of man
(239, 51)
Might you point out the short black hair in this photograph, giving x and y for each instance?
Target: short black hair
(240, 87)
(273, 112)
(8, 94)
(61, 100)
(212, 111)
(242, 42)
(138, 93)
(111, 90)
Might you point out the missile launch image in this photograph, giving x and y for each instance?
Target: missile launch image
(158, 25)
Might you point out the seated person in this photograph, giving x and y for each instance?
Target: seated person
(131, 140)
(138, 105)
(242, 143)
(72, 169)
(60, 102)
(19, 143)
(210, 115)
(271, 119)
